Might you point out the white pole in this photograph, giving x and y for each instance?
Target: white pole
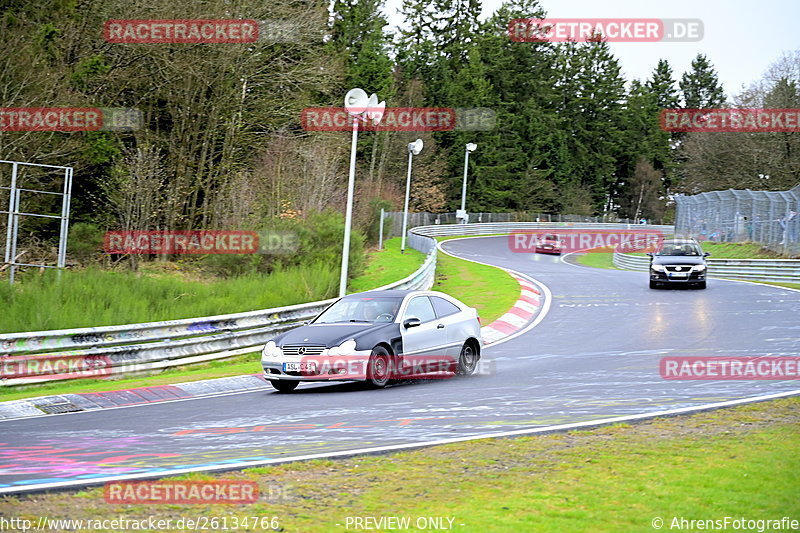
(348, 217)
(464, 186)
(380, 232)
(405, 209)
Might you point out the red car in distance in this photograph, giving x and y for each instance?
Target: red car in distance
(549, 243)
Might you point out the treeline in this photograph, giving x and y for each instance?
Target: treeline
(222, 145)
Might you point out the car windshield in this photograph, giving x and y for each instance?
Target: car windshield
(550, 238)
(361, 309)
(680, 249)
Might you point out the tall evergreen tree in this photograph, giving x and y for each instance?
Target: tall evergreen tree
(662, 86)
(700, 86)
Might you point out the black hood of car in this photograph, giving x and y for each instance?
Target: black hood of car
(679, 260)
(330, 335)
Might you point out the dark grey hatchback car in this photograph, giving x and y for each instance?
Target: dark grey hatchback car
(678, 262)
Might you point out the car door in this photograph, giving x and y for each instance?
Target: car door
(429, 335)
(455, 325)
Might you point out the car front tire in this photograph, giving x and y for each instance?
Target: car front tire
(283, 385)
(701, 285)
(467, 360)
(654, 284)
(379, 368)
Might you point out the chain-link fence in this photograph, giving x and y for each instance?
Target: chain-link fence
(394, 224)
(770, 218)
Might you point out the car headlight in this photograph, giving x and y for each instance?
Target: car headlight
(348, 347)
(657, 268)
(271, 350)
(699, 268)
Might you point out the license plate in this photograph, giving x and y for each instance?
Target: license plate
(678, 274)
(299, 367)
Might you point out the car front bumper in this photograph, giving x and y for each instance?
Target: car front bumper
(665, 277)
(548, 250)
(352, 367)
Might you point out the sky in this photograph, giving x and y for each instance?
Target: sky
(742, 38)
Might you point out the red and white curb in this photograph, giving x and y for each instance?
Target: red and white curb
(519, 316)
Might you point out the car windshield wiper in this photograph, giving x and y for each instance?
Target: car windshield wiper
(355, 320)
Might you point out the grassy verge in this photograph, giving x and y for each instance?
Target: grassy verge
(597, 259)
(488, 289)
(387, 265)
(739, 462)
(738, 250)
(162, 291)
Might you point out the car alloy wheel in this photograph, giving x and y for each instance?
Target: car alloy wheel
(467, 361)
(379, 368)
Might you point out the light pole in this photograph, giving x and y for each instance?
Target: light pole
(413, 149)
(470, 148)
(360, 107)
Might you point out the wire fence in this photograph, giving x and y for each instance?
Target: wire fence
(770, 218)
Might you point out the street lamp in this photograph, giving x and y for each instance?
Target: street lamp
(360, 107)
(470, 148)
(413, 149)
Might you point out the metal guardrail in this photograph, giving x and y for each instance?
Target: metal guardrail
(508, 227)
(775, 270)
(101, 351)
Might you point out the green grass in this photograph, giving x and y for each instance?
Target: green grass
(93, 297)
(387, 265)
(488, 289)
(596, 260)
(738, 250)
(740, 462)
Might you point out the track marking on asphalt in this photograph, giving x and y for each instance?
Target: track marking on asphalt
(406, 446)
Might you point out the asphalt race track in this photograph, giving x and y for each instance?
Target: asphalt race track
(594, 355)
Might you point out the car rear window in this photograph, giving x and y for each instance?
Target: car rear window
(443, 307)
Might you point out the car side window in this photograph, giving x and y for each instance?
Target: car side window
(420, 307)
(443, 307)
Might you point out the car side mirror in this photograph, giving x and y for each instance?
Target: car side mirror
(706, 254)
(650, 254)
(411, 322)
